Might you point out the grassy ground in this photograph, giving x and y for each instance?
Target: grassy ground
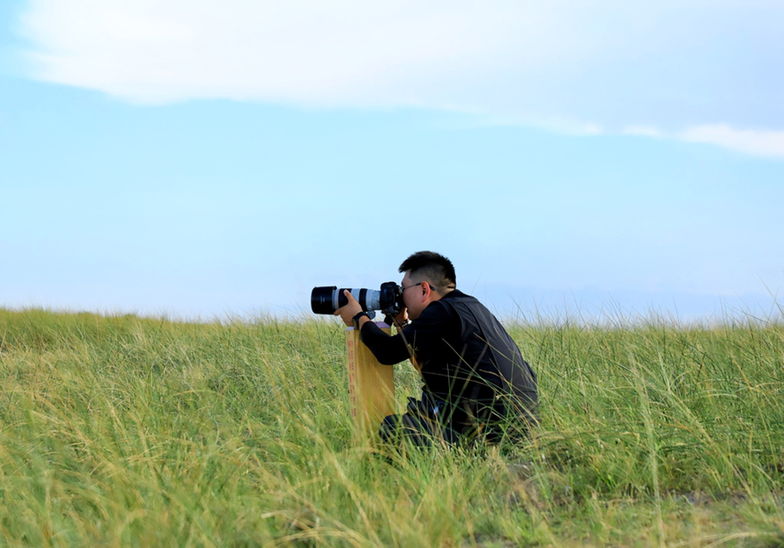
(121, 431)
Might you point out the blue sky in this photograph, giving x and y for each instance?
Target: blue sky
(219, 159)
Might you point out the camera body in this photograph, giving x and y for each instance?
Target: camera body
(388, 299)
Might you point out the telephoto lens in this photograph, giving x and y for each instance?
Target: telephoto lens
(327, 299)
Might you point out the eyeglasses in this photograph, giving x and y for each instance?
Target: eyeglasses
(409, 286)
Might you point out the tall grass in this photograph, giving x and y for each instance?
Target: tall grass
(125, 431)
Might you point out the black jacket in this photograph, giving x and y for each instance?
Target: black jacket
(466, 357)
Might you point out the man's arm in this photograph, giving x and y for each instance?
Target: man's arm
(433, 335)
(428, 334)
(386, 348)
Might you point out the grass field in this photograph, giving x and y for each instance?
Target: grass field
(122, 431)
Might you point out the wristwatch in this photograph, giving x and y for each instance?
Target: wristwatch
(355, 319)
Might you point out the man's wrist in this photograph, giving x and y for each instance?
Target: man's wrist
(357, 317)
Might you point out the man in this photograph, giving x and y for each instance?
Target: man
(476, 382)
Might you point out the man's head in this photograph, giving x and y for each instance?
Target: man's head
(427, 277)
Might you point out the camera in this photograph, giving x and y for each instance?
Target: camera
(388, 299)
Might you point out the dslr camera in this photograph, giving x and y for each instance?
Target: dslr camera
(388, 299)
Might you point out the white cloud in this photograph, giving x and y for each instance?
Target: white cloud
(747, 141)
(760, 143)
(580, 67)
(343, 52)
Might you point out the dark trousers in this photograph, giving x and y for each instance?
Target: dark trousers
(422, 429)
(395, 429)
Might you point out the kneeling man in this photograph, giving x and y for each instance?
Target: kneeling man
(476, 382)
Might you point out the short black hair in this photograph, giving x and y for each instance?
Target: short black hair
(436, 269)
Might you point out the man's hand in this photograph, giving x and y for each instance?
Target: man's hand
(351, 309)
(402, 317)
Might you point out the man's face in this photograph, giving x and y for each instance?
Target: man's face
(413, 298)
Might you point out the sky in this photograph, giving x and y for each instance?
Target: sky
(204, 159)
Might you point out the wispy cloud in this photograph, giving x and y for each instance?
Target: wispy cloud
(747, 141)
(573, 66)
